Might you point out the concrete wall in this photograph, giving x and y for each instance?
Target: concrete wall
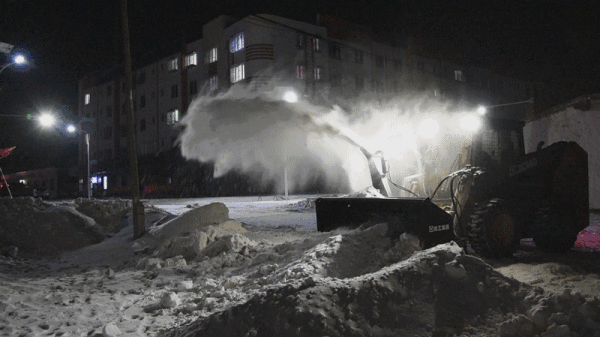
(571, 125)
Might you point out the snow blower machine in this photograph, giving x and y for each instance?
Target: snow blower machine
(500, 196)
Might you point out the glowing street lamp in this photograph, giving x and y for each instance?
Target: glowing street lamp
(71, 128)
(17, 60)
(47, 120)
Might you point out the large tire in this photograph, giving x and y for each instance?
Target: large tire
(551, 229)
(493, 231)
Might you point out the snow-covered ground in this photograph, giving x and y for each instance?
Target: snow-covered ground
(257, 267)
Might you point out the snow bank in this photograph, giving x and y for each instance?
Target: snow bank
(437, 292)
(40, 228)
(107, 213)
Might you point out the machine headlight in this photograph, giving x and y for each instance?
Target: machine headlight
(470, 123)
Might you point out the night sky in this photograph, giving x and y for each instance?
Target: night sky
(553, 42)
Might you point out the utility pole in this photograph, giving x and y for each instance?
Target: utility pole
(139, 221)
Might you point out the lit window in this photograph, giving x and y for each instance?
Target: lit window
(173, 65)
(459, 76)
(300, 41)
(87, 99)
(172, 117)
(213, 83)
(300, 72)
(237, 43)
(316, 44)
(211, 56)
(191, 60)
(318, 73)
(238, 73)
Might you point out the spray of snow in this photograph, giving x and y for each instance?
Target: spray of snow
(260, 132)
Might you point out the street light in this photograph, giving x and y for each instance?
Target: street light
(482, 109)
(47, 120)
(17, 60)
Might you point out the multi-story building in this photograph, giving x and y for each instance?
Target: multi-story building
(332, 57)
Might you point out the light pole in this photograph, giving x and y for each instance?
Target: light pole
(47, 120)
(289, 96)
(482, 109)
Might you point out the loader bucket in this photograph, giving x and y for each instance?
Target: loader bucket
(418, 216)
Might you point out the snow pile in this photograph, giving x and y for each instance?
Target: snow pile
(41, 228)
(204, 274)
(306, 205)
(369, 192)
(437, 292)
(107, 213)
(204, 231)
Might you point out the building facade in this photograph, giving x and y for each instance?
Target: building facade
(331, 58)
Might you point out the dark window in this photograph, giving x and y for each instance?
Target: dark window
(335, 80)
(142, 78)
(359, 56)
(108, 111)
(397, 65)
(174, 91)
(360, 82)
(193, 87)
(143, 125)
(335, 51)
(379, 61)
(123, 130)
(109, 90)
(143, 101)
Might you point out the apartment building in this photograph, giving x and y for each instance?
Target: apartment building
(332, 58)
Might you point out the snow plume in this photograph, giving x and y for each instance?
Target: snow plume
(258, 132)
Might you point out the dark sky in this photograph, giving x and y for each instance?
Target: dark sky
(555, 42)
